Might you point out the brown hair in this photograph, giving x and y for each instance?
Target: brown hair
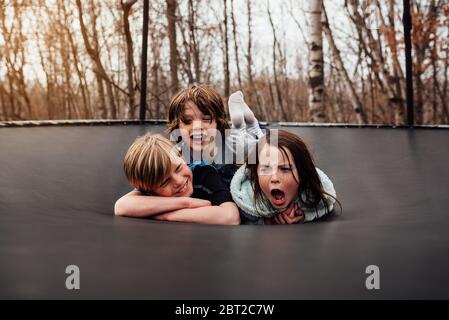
(207, 99)
(149, 161)
(310, 189)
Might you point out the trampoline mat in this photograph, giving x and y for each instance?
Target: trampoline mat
(58, 186)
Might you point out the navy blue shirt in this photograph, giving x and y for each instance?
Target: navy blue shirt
(208, 184)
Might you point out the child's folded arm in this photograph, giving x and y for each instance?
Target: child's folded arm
(226, 213)
(136, 205)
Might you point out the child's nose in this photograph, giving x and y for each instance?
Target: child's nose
(274, 177)
(196, 124)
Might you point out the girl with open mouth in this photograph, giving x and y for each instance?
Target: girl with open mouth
(280, 184)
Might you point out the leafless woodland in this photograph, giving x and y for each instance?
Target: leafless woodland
(319, 61)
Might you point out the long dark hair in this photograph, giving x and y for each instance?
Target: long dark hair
(310, 189)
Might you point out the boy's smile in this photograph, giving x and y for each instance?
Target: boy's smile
(197, 129)
(178, 183)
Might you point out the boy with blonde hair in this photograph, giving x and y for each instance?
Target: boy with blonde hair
(156, 170)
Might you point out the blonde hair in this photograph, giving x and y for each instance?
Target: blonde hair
(149, 161)
(206, 98)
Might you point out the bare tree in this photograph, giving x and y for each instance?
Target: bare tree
(356, 103)
(236, 47)
(126, 8)
(77, 59)
(371, 48)
(398, 75)
(226, 50)
(186, 62)
(80, 71)
(276, 47)
(94, 53)
(249, 56)
(174, 56)
(155, 74)
(194, 48)
(249, 64)
(425, 26)
(3, 110)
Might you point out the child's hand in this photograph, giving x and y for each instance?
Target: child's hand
(191, 203)
(197, 203)
(291, 216)
(161, 217)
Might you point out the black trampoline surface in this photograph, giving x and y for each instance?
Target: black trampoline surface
(58, 186)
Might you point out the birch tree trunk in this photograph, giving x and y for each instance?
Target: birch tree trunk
(316, 63)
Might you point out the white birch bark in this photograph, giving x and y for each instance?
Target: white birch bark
(316, 63)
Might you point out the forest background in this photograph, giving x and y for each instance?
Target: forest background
(339, 61)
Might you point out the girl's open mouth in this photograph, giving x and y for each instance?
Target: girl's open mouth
(278, 197)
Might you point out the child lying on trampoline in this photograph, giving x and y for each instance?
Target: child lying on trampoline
(167, 189)
(280, 184)
(197, 121)
(196, 115)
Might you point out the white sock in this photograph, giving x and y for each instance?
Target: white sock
(236, 110)
(252, 125)
(254, 130)
(245, 130)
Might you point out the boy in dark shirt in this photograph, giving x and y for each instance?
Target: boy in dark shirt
(209, 185)
(166, 189)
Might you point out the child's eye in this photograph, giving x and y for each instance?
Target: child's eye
(265, 170)
(286, 169)
(208, 119)
(186, 120)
